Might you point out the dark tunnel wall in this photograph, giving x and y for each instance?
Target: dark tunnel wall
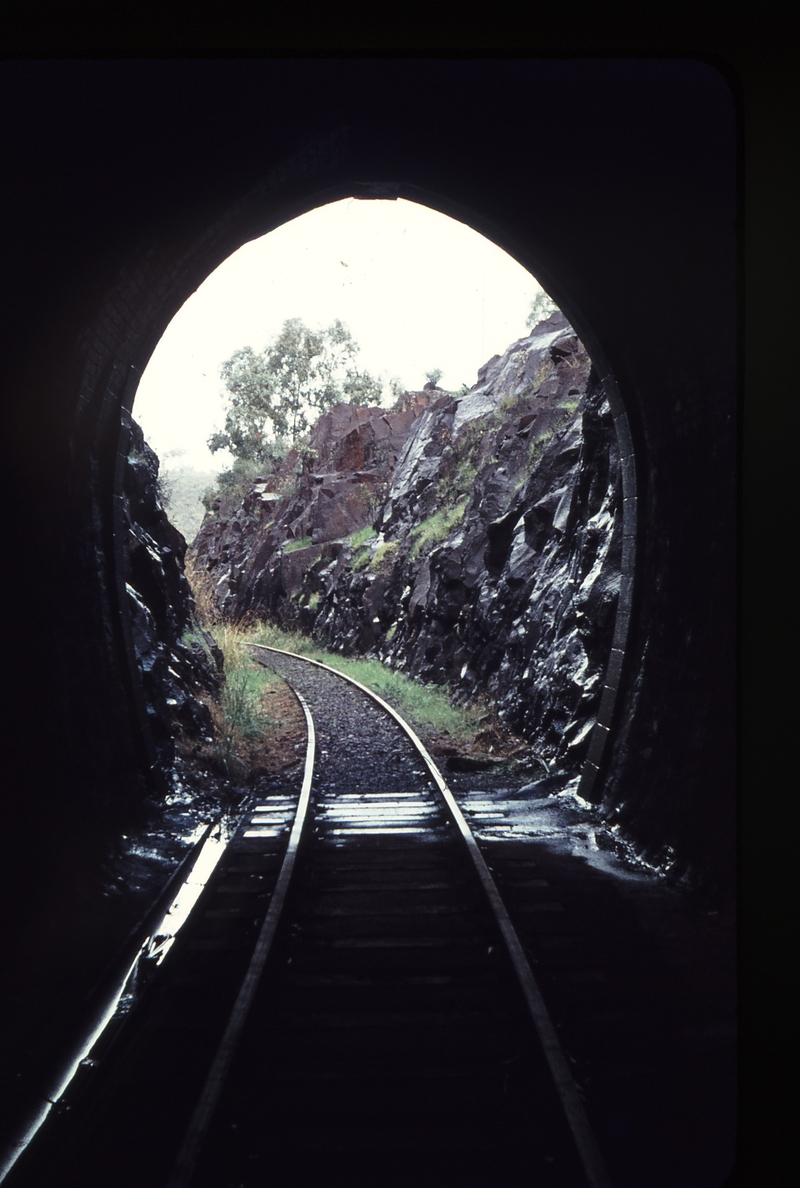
(127, 182)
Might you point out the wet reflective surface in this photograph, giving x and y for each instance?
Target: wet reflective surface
(387, 1045)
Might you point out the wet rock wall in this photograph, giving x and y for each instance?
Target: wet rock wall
(257, 554)
(494, 556)
(174, 659)
(644, 253)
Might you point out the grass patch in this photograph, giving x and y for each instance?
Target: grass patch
(241, 723)
(296, 545)
(360, 543)
(465, 476)
(384, 555)
(435, 529)
(361, 537)
(202, 586)
(427, 707)
(361, 559)
(509, 402)
(538, 445)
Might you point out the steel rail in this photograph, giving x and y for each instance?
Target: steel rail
(568, 1092)
(212, 1090)
(103, 1004)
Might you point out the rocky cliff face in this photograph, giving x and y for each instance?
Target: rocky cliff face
(467, 540)
(172, 672)
(258, 556)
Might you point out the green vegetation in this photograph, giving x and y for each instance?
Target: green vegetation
(191, 638)
(506, 403)
(361, 537)
(426, 707)
(465, 475)
(541, 307)
(537, 447)
(181, 491)
(232, 485)
(294, 546)
(241, 723)
(273, 397)
(279, 392)
(468, 446)
(363, 557)
(397, 391)
(538, 444)
(360, 543)
(361, 560)
(543, 371)
(435, 529)
(384, 555)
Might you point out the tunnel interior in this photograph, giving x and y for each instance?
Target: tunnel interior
(622, 204)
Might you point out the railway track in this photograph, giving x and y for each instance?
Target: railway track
(349, 1005)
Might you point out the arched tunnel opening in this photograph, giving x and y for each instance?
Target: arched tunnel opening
(335, 537)
(639, 254)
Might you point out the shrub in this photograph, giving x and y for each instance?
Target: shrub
(232, 485)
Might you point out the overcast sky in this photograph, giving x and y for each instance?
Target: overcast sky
(418, 290)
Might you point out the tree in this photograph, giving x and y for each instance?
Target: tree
(397, 390)
(434, 376)
(252, 417)
(275, 394)
(541, 307)
(359, 387)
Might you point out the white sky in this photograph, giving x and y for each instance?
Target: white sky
(417, 289)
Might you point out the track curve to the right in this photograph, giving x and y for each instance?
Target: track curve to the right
(393, 1043)
(386, 1031)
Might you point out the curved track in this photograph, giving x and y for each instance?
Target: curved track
(362, 1001)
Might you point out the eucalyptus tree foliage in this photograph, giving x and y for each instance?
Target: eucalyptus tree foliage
(541, 307)
(279, 393)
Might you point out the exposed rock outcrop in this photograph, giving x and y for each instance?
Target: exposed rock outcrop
(259, 555)
(470, 540)
(175, 658)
